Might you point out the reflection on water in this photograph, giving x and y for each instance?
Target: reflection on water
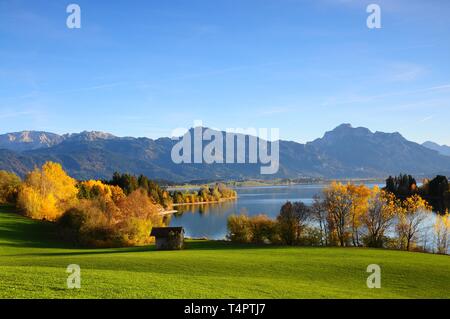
(210, 220)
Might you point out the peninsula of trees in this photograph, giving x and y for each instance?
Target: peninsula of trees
(98, 213)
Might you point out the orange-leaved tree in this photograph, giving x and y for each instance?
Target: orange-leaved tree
(139, 214)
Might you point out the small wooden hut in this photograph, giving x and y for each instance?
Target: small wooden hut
(168, 238)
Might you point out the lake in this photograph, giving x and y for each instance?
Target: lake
(210, 220)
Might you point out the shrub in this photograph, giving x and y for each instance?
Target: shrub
(257, 229)
(134, 231)
(70, 224)
(88, 225)
(239, 229)
(74, 218)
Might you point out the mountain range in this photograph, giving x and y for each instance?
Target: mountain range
(442, 149)
(344, 152)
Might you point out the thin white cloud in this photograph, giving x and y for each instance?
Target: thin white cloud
(370, 98)
(35, 94)
(6, 115)
(426, 119)
(405, 72)
(275, 110)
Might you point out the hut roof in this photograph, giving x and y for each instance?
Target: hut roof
(164, 231)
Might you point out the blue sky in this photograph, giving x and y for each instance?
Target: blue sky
(144, 68)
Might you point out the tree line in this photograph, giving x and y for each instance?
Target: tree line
(95, 213)
(214, 193)
(99, 213)
(435, 191)
(346, 215)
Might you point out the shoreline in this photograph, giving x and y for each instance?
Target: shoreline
(174, 211)
(257, 184)
(209, 202)
(168, 212)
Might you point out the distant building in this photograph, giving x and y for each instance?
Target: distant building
(168, 238)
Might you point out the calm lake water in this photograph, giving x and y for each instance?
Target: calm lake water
(210, 220)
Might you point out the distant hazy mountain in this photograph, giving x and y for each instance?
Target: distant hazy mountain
(442, 149)
(342, 152)
(372, 154)
(29, 140)
(88, 136)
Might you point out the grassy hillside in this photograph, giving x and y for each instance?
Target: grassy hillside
(33, 264)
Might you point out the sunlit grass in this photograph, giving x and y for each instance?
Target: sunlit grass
(33, 265)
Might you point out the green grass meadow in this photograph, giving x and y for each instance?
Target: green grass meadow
(33, 265)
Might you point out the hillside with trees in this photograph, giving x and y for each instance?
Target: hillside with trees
(99, 213)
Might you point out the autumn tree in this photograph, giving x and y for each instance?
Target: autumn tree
(204, 194)
(225, 192)
(319, 215)
(9, 187)
(47, 192)
(215, 193)
(413, 214)
(138, 215)
(263, 229)
(382, 208)
(442, 232)
(139, 205)
(93, 189)
(291, 221)
(359, 200)
(108, 220)
(88, 224)
(339, 203)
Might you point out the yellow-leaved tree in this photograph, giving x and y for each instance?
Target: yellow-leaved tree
(360, 196)
(381, 211)
(9, 186)
(47, 192)
(338, 202)
(442, 232)
(413, 214)
(93, 189)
